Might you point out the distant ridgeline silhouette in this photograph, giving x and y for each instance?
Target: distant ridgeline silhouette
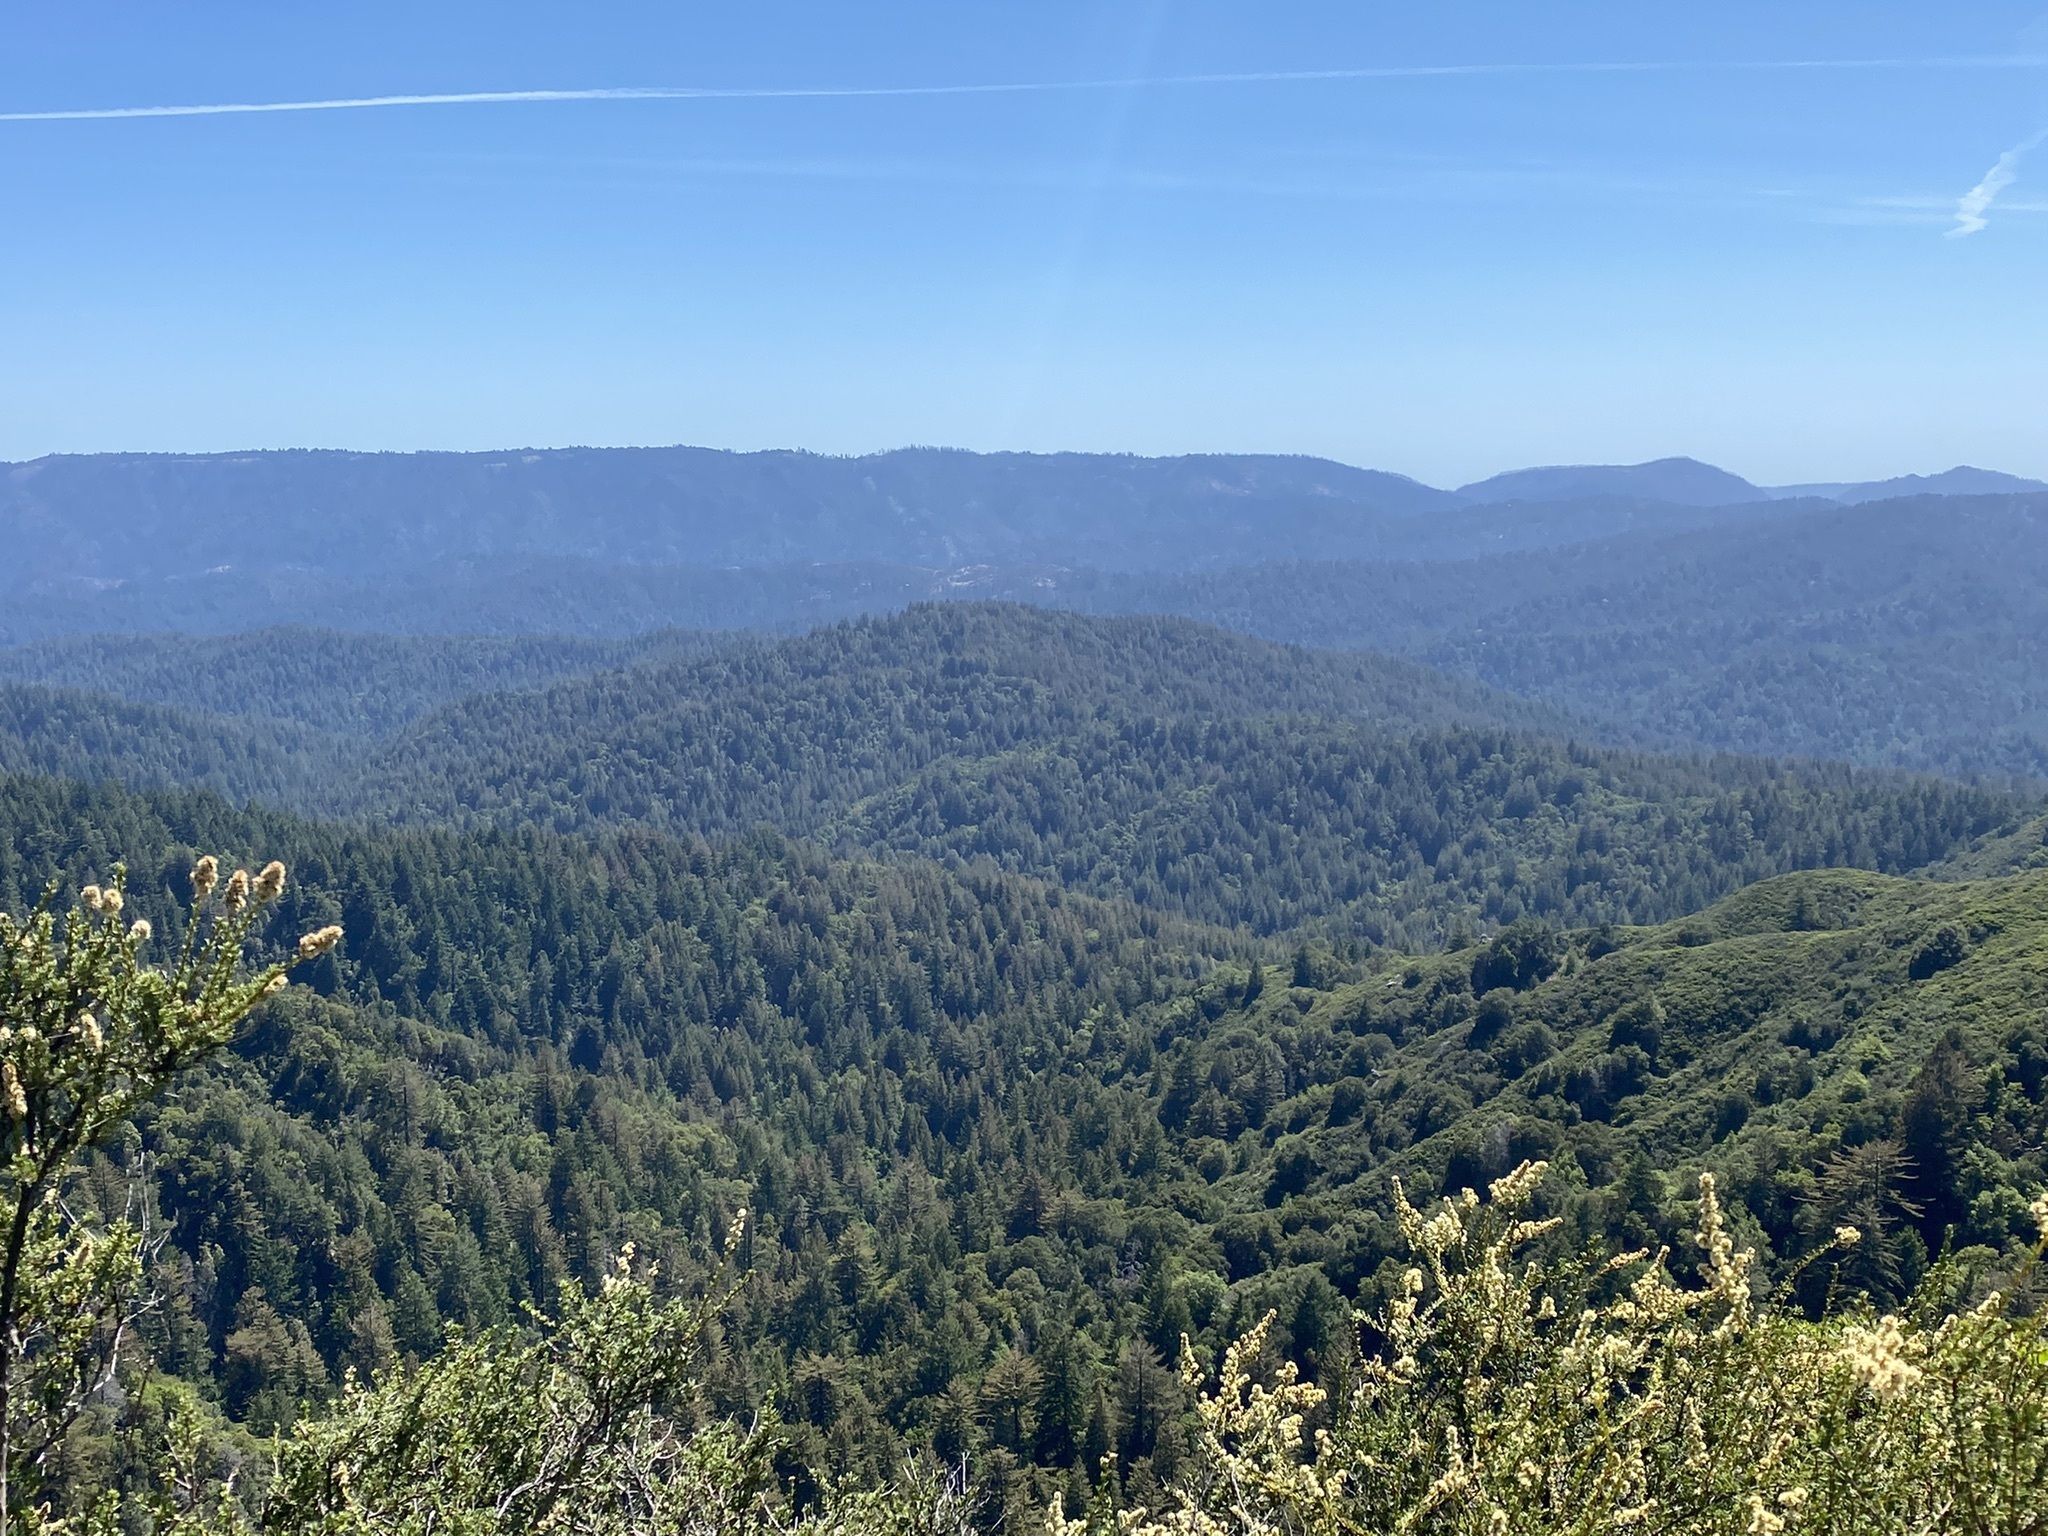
(131, 517)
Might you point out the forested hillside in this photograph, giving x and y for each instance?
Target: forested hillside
(1901, 631)
(1843, 1048)
(1050, 979)
(1004, 1144)
(1198, 773)
(1905, 632)
(132, 516)
(809, 987)
(69, 731)
(1184, 768)
(353, 684)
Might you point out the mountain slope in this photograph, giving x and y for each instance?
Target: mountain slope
(1902, 633)
(130, 517)
(1911, 632)
(76, 734)
(987, 1130)
(1187, 768)
(1792, 1037)
(359, 685)
(1196, 772)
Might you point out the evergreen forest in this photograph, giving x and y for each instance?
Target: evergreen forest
(1361, 1042)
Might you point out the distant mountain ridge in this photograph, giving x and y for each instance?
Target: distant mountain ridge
(1863, 624)
(125, 517)
(90, 525)
(1685, 482)
(1963, 480)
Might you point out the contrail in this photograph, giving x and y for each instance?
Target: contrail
(996, 88)
(1974, 204)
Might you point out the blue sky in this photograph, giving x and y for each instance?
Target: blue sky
(1575, 232)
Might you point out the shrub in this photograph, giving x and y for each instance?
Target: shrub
(1509, 1396)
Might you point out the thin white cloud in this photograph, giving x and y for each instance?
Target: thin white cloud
(1001, 88)
(1974, 204)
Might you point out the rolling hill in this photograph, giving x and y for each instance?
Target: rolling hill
(1196, 772)
(1840, 1046)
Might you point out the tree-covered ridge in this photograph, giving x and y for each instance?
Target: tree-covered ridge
(995, 673)
(349, 684)
(1193, 771)
(1278, 826)
(1907, 632)
(1903, 632)
(72, 733)
(2011, 851)
(1199, 773)
(532, 1050)
(1004, 1144)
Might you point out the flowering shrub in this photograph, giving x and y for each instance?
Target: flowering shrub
(89, 1032)
(1507, 1397)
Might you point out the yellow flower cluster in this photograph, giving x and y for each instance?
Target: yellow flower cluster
(318, 942)
(270, 883)
(104, 900)
(1880, 1358)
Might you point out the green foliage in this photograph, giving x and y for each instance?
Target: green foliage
(1004, 1144)
(1011, 1121)
(1216, 778)
(329, 682)
(92, 1033)
(1803, 1063)
(582, 1426)
(1179, 767)
(68, 732)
